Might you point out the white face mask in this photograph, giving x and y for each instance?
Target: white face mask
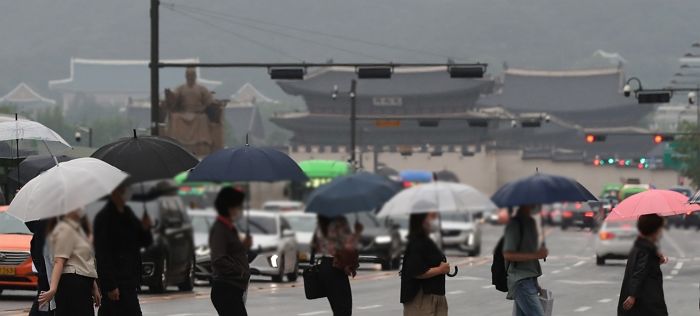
(434, 225)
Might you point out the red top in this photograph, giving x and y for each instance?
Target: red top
(226, 221)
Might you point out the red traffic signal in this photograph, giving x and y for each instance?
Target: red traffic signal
(592, 138)
(660, 138)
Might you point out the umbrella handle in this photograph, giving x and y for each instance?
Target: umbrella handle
(453, 274)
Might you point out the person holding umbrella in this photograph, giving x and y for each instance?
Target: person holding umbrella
(424, 270)
(337, 246)
(642, 291)
(119, 237)
(73, 279)
(229, 260)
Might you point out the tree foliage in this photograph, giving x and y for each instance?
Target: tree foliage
(687, 148)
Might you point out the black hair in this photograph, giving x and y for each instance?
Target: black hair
(415, 225)
(649, 224)
(323, 223)
(227, 198)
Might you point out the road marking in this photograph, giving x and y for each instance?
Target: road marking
(313, 313)
(468, 278)
(668, 277)
(674, 272)
(556, 271)
(488, 286)
(591, 282)
(605, 300)
(582, 309)
(580, 263)
(678, 266)
(675, 245)
(455, 292)
(369, 307)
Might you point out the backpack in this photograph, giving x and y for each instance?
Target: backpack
(499, 269)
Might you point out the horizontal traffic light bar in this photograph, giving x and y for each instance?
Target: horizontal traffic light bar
(653, 96)
(657, 138)
(458, 68)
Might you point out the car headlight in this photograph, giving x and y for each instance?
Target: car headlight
(273, 260)
(470, 239)
(202, 251)
(382, 239)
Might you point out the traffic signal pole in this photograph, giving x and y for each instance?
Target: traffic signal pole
(155, 60)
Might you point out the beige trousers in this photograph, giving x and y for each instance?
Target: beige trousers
(426, 305)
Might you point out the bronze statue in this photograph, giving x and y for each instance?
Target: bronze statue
(194, 117)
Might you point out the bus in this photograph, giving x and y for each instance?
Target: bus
(319, 173)
(410, 178)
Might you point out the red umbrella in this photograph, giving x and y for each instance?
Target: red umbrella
(661, 202)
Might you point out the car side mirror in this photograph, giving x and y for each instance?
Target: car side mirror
(287, 233)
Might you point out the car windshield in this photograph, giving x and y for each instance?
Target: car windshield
(262, 225)
(11, 225)
(202, 224)
(305, 224)
(455, 217)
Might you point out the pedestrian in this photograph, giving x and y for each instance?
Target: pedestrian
(423, 270)
(229, 255)
(73, 277)
(37, 246)
(119, 236)
(336, 245)
(642, 290)
(522, 252)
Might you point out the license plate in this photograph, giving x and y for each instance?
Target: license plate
(303, 257)
(7, 270)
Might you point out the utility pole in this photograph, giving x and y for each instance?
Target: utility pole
(353, 122)
(155, 75)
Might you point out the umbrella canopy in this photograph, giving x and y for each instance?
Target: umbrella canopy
(245, 164)
(541, 189)
(25, 130)
(31, 167)
(68, 186)
(147, 158)
(661, 202)
(361, 192)
(442, 197)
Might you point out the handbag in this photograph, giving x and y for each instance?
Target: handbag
(547, 301)
(313, 288)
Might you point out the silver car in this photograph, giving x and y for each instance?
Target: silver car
(461, 231)
(304, 226)
(274, 243)
(615, 239)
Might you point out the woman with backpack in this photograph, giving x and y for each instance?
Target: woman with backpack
(336, 245)
(424, 269)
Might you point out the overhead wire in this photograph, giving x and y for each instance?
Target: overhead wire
(314, 32)
(286, 35)
(238, 35)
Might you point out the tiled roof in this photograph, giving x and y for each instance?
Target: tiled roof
(24, 94)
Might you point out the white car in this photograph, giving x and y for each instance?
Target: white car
(274, 242)
(283, 206)
(615, 240)
(461, 231)
(304, 226)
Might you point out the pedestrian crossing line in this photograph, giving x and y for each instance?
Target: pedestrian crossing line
(314, 313)
(580, 263)
(369, 307)
(556, 271)
(488, 286)
(605, 300)
(455, 292)
(582, 309)
(674, 272)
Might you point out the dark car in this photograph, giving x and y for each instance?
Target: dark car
(683, 220)
(577, 214)
(380, 241)
(170, 260)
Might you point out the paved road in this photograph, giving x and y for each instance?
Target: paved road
(580, 287)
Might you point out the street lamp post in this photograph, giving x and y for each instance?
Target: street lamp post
(353, 118)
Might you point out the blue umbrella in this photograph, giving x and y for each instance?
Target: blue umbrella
(541, 189)
(361, 192)
(247, 164)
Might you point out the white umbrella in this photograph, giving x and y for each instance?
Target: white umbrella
(441, 197)
(68, 186)
(28, 130)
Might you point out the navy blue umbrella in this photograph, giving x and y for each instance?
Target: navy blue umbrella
(247, 164)
(541, 189)
(361, 192)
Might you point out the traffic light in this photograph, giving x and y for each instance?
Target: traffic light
(660, 138)
(593, 138)
(653, 96)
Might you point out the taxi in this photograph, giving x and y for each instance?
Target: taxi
(16, 269)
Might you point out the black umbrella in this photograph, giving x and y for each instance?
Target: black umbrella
(147, 157)
(31, 167)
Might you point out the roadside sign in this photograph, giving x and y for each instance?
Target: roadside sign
(387, 123)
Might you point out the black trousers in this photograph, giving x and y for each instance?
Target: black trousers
(127, 305)
(74, 296)
(227, 299)
(337, 287)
